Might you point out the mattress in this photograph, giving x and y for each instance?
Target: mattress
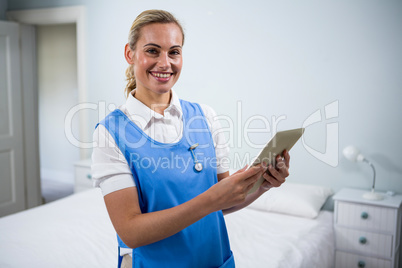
(265, 239)
(76, 232)
(72, 232)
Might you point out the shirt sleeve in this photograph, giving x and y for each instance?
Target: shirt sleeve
(221, 146)
(110, 170)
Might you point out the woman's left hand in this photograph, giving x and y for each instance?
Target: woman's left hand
(275, 176)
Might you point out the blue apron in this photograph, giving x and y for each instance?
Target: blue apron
(165, 177)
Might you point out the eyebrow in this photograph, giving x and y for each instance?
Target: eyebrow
(158, 46)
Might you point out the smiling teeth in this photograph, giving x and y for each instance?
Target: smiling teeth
(161, 75)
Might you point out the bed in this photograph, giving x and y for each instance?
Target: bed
(285, 228)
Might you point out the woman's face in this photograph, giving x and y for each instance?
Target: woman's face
(157, 58)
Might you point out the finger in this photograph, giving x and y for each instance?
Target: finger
(280, 162)
(282, 168)
(273, 171)
(252, 180)
(272, 181)
(287, 157)
(264, 168)
(276, 174)
(253, 171)
(241, 170)
(266, 185)
(242, 177)
(257, 175)
(249, 186)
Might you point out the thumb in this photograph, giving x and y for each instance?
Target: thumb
(241, 170)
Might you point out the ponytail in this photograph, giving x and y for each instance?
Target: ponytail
(131, 83)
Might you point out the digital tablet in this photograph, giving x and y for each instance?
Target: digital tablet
(279, 142)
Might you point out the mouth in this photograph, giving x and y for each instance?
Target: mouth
(161, 76)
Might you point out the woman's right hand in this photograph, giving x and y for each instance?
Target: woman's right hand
(233, 190)
(138, 229)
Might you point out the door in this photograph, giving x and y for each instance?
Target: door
(12, 174)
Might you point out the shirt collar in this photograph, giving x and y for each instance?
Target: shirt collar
(175, 103)
(138, 109)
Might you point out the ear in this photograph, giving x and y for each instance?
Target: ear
(129, 54)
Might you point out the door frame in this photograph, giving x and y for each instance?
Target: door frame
(12, 134)
(28, 19)
(61, 15)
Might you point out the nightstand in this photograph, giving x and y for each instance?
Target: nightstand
(367, 233)
(83, 177)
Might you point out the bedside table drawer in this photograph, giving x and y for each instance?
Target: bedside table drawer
(346, 260)
(364, 242)
(366, 217)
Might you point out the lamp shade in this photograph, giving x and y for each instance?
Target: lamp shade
(351, 153)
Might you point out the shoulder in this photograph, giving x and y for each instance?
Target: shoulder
(206, 109)
(194, 106)
(211, 117)
(110, 118)
(115, 113)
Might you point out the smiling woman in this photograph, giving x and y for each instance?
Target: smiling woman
(143, 20)
(167, 214)
(155, 66)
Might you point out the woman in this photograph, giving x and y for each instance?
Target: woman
(164, 187)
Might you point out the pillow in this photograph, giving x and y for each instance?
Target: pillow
(301, 200)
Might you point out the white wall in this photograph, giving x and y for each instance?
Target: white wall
(57, 86)
(278, 58)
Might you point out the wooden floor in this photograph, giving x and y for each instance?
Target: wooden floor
(53, 190)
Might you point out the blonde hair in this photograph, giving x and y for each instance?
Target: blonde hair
(145, 18)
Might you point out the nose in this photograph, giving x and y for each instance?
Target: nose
(164, 61)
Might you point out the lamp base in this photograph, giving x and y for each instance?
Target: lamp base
(373, 196)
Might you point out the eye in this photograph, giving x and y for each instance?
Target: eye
(175, 52)
(151, 51)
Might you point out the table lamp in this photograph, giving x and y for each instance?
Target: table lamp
(353, 154)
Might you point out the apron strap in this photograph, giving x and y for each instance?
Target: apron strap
(120, 259)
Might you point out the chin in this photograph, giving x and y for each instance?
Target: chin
(162, 89)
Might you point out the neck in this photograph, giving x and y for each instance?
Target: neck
(156, 102)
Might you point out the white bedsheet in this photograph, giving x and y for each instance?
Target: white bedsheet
(72, 232)
(263, 239)
(76, 232)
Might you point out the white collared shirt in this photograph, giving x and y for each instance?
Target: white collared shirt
(110, 170)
